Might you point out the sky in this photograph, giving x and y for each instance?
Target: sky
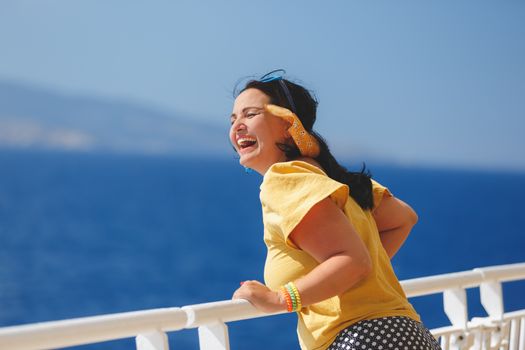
(437, 83)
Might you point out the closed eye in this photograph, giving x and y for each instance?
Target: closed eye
(248, 112)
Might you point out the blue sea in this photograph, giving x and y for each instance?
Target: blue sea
(88, 234)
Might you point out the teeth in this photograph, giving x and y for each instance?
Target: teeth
(241, 140)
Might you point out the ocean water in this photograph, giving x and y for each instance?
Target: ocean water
(83, 235)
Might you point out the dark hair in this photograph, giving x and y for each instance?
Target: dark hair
(306, 109)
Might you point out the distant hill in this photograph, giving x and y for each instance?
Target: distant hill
(37, 118)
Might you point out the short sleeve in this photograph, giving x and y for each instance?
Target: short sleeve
(290, 189)
(379, 192)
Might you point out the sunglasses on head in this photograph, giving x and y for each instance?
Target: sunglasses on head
(278, 75)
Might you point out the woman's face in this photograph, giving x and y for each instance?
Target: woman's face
(254, 132)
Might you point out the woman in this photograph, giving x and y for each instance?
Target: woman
(330, 233)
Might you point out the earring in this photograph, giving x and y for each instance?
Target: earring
(248, 170)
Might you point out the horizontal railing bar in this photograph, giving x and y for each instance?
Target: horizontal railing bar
(437, 284)
(223, 311)
(503, 273)
(513, 314)
(437, 332)
(466, 279)
(57, 334)
(94, 329)
(446, 330)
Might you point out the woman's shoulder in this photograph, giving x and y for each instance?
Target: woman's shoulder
(300, 165)
(299, 183)
(297, 176)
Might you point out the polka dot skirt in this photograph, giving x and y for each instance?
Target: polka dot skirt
(387, 333)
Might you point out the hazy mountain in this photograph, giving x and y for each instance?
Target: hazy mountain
(38, 118)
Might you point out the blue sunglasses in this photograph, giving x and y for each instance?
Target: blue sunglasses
(278, 75)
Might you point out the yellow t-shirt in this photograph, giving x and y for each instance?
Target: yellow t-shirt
(289, 190)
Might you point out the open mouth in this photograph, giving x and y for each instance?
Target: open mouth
(245, 142)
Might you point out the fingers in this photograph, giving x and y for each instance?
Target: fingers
(243, 294)
(240, 292)
(259, 295)
(247, 289)
(252, 283)
(247, 281)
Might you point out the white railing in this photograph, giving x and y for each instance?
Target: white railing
(497, 331)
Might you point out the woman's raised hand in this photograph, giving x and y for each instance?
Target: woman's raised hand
(260, 296)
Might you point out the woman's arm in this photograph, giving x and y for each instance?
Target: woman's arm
(328, 236)
(394, 219)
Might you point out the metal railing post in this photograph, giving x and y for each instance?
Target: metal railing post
(214, 336)
(152, 341)
(492, 299)
(455, 306)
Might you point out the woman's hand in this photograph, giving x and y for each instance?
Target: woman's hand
(394, 219)
(260, 296)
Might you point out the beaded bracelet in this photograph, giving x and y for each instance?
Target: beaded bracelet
(288, 298)
(292, 295)
(293, 299)
(297, 295)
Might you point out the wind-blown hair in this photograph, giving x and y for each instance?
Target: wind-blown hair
(305, 103)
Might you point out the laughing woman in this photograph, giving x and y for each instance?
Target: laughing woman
(330, 233)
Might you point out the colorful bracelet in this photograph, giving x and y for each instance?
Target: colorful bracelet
(297, 296)
(292, 294)
(288, 298)
(293, 299)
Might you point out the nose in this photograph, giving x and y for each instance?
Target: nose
(238, 125)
